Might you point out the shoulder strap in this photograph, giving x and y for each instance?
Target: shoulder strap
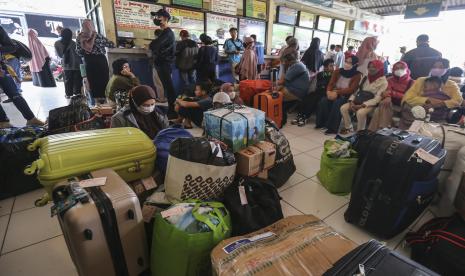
(363, 82)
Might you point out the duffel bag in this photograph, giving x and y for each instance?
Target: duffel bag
(184, 235)
(440, 245)
(284, 167)
(336, 173)
(249, 88)
(198, 169)
(253, 203)
(163, 141)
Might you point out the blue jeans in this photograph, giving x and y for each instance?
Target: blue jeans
(329, 114)
(16, 65)
(9, 88)
(187, 78)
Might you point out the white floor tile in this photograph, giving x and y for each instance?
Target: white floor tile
(295, 151)
(311, 198)
(298, 131)
(29, 227)
(5, 206)
(315, 153)
(288, 210)
(303, 144)
(306, 165)
(50, 257)
(3, 226)
(293, 180)
(26, 201)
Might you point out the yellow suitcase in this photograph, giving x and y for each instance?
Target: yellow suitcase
(128, 151)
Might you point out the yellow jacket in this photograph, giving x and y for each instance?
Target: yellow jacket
(414, 97)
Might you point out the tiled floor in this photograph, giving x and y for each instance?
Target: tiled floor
(31, 242)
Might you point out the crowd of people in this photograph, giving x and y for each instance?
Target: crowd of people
(336, 86)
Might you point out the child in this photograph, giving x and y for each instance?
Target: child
(310, 101)
(229, 89)
(220, 100)
(432, 90)
(192, 109)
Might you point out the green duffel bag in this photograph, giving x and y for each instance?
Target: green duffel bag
(179, 253)
(336, 173)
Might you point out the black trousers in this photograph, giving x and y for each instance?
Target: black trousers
(73, 82)
(164, 72)
(98, 74)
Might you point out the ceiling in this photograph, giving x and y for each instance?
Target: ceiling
(395, 7)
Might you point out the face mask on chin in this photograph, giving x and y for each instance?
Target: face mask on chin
(400, 72)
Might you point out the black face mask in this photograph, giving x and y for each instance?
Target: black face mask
(157, 22)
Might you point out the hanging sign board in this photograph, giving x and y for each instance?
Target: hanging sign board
(255, 8)
(132, 14)
(189, 3)
(326, 3)
(224, 6)
(422, 8)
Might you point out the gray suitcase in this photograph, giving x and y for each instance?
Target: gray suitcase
(103, 227)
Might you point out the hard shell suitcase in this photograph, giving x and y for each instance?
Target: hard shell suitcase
(375, 259)
(271, 102)
(394, 183)
(249, 88)
(128, 151)
(105, 235)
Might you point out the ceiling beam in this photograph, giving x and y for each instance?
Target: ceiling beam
(381, 6)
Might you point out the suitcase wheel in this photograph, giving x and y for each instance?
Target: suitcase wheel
(275, 95)
(42, 201)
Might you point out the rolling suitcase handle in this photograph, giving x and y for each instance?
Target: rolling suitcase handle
(35, 166)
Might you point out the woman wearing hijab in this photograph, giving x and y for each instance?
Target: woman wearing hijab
(141, 112)
(207, 59)
(40, 63)
(366, 99)
(91, 46)
(65, 48)
(442, 99)
(313, 57)
(366, 53)
(344, 82)
(248, 63)
(398, 84)
(122, 80)
(292, 45)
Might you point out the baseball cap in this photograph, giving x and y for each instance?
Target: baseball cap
(221, 97)
(161, 12)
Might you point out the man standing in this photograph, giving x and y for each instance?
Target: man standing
(421, 59)
(331, 54)
(163, 50)
(350, 52)
(339, 58)
(233, 47)
(186, 58)
(260, 51)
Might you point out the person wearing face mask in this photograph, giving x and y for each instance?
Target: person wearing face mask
(344, 82)
(398, 84)
(141, 112)
(228, 88)
(366, 98)
(417, 96)
(163, 50)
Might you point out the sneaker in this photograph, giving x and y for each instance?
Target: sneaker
(296, 120)
(5, 125)
(34, 122)
(302, 122)
(8, 100)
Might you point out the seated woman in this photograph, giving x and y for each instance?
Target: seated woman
(192, 109)
(310, 102)
(228, 88)
(398, 84)
(122, 80)
(221, 99)
(141, 112)
(296, 80)
(441, 100)
(365, 100)
(344, 82)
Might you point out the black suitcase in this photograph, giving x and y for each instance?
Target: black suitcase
(375, 259)
(393, 185)
(440, 245)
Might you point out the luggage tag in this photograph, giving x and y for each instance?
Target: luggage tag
(93, 182)
(215, 146)
(428, 157)
(242, 195)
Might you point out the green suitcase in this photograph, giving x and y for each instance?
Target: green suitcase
(128, 151)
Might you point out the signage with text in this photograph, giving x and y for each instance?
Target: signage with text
(422, 8)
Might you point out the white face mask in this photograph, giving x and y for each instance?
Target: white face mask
(347, 66)
(400, 72)
(146, 109)
(232, 95)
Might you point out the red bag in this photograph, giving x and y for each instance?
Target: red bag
(271, 104)
(249, 88)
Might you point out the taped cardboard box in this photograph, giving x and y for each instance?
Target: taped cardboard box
(296, 245)
(255, 159)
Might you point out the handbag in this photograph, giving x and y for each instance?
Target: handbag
(362, 96)
(187, 252)
(336, 173)
(208, 168)
(253, 203)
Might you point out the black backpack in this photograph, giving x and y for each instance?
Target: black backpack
(440, 245)
(253, 203)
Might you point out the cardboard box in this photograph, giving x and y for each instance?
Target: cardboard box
(263, 174)
(460, 197)
(254, 159)
(296, 245)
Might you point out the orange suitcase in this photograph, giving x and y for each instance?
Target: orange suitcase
(249, 88)
(271, 104)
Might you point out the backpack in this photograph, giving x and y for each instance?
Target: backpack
(163, 142)
(22, 51)
(188, 58)
(253, 204)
